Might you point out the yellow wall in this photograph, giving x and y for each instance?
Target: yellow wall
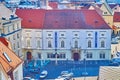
(117, 24)
(109, 20)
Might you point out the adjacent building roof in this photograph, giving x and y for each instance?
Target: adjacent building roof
(53, 5)
(3, 40)
(61, 19)
(8, 58)
(116, 17)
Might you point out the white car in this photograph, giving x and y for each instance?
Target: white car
(28, 78)
(43, 74)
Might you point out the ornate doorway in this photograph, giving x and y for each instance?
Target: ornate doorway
(29, 55)
(76, 56)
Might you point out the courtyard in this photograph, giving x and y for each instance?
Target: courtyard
(34, 68)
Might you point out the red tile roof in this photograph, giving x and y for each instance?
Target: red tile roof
(62, 19)
(31, 18)
(54, 5)
(3, 40)
(116, 17)
(74, 19)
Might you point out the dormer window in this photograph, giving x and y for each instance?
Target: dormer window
(7, 57)
(105, 12)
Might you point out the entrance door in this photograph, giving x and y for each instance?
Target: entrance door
(29, 55)
(76, 56)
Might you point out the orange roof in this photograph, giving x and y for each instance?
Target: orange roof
(114, 27)
(5, 55)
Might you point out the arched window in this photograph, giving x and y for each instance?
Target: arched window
(28, 42)
(38, 43)
(102, 55)
(49, 44)
(89, 44)
(76, 44)
(62, 44)
(102, 44)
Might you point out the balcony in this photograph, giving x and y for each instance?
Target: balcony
(75, 49)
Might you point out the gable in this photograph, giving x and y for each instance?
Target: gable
(106, 10)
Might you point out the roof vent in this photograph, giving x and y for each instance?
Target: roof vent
(6, 56)
(96, 21)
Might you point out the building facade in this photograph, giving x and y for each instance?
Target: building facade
(11, 28)
(10, 64)
(65, 35)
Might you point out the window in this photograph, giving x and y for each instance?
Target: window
(17, 25)
(62, 55)
(49, 34)
(62, 44)
(50, 55)
(49, 44)
(76, 44)
(105, 12)
(89, 55)
(102, 55)
(28, 42)
(13, 27)
(89, 44)
(14, 46)
(13, 37)
(18, 44)
(102, 34)
(89, 34)
(62, 34)
(8, 29)
(17, 35)
(38, 43)
(39, 55)
(76, 35)
(102, 44)
(16, 75)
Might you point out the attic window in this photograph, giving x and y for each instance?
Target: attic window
(76, 21)
(96, 21)
(56, 21)
(7, 57)
(29, 20)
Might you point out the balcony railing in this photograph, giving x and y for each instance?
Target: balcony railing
(75, 49)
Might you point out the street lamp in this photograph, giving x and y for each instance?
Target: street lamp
(56, 57)
(85, 73)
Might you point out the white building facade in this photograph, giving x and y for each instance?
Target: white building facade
(68, 44)
(11, 28)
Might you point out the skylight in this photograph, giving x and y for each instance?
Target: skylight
(7, 57)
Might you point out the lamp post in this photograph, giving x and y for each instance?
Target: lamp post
(85, 73)
(56, 58)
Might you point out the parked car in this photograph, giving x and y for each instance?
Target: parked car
(43, 74)
(28, 78)
(66, 75)
(116, 60)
